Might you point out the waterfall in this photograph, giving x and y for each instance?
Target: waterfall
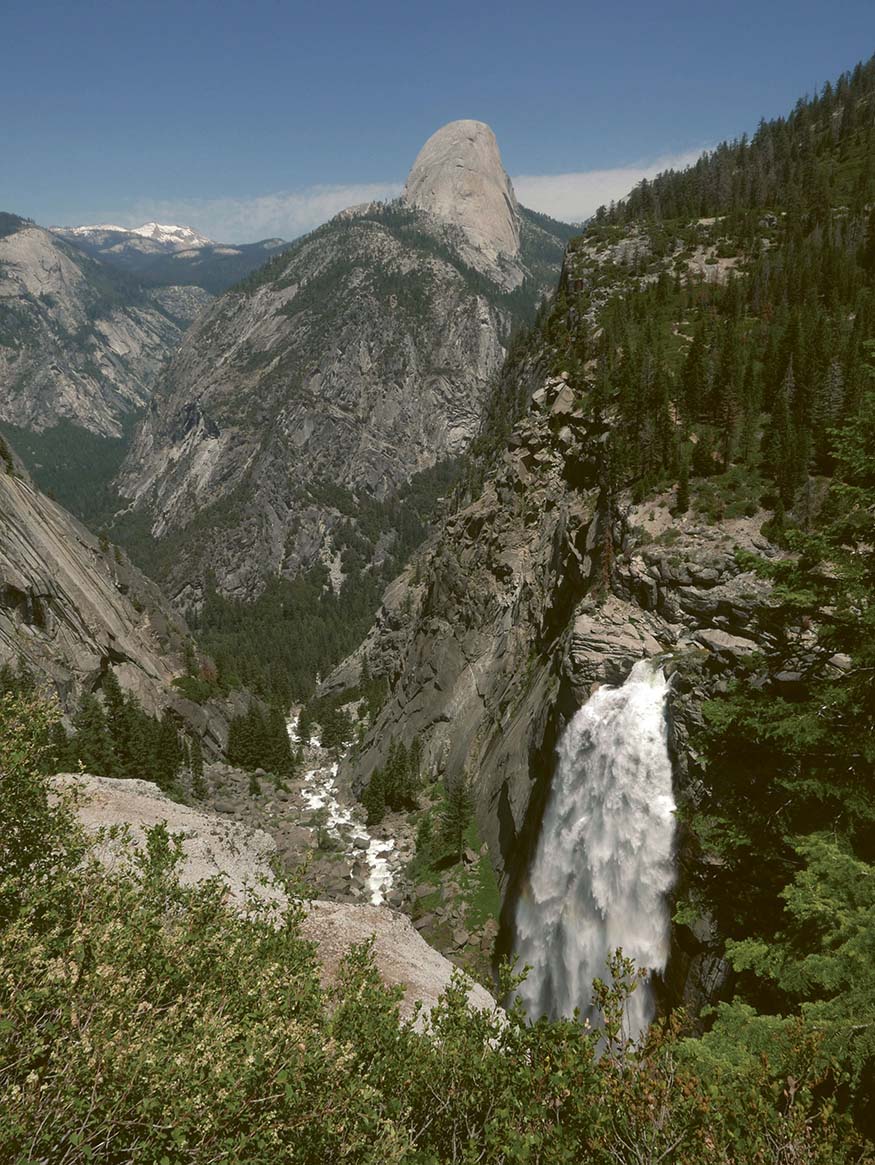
(604, 861)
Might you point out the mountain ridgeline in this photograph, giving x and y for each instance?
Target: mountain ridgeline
(362, 356)
(79, 341)
(160, 256)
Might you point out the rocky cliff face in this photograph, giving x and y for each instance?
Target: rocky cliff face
(72, 608)
(458, 177)
(530, 596)
(78, 342)
(359, 357)
(551, 581)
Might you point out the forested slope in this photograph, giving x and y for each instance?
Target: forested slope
(695, 475)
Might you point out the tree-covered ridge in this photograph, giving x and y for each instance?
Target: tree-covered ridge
(819, 157)
(718, 325)
(734, 339)
(10, 223)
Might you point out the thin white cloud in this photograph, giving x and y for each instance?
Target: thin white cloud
(574, 197)
(288, 214)
(285, 215)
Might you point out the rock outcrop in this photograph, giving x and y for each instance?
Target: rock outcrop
(77, 341)
(212, 847)
(362, 355)
(458, 177)
(73, 607)
(540, 589)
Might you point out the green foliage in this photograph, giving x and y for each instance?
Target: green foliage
(259, 739)
(196, 688)
(198, 783)
(75, 466)
(823, 956)
(34, 831)
(10, 224)
(112, 735)
(797, 741)
(818, 157)
(146, 1021)
(750, 371)
(394, 786)
(456, 816)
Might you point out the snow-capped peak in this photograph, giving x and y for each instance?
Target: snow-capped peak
(104, 226)
(166, 235)
(169, 233)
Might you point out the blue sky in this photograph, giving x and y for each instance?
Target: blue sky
(263, 118)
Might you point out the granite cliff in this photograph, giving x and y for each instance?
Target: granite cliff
(357, 358)
(79, 341)
(552, 577)
(72, 608)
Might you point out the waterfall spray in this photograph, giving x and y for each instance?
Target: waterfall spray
(604, 861)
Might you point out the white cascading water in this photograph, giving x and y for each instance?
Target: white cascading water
(604, 863)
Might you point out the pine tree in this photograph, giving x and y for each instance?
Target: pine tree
(91, 746)
(142, 738)
(168, 754)
(59, 749)
(116, 723)
(416, 763)
(455, 817)
(374, 797)
(279, 753)
(305, 725)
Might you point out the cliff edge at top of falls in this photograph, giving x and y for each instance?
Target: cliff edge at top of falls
(458, 177)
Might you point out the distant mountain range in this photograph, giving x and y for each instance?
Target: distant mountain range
(361, 356)
(169, 235)
(160, 254)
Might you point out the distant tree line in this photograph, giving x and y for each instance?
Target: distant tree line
(114, 737)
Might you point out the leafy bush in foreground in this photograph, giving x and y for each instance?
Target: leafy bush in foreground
(145, 1022)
